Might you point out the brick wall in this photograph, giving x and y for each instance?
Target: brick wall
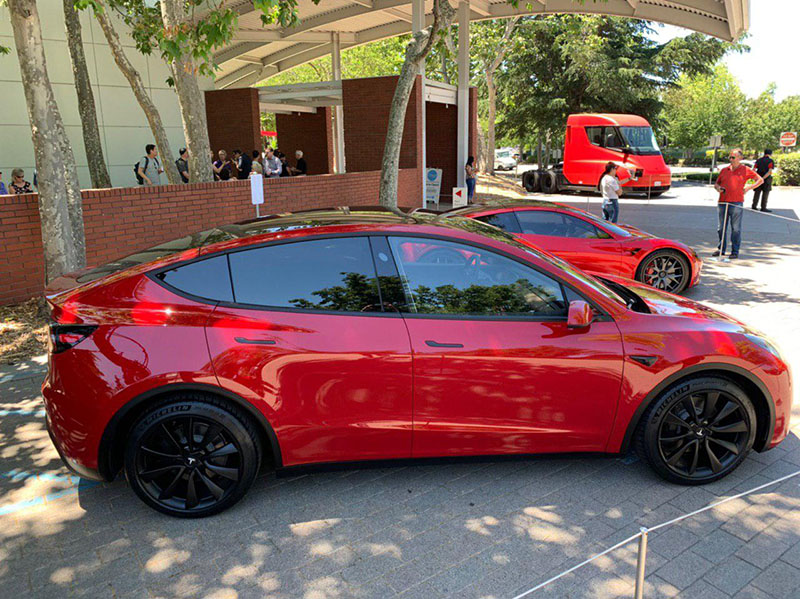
(310, 132)
(366, 104)
(121, 221)
(234, 120)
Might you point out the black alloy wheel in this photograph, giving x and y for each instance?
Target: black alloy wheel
(698, 431)
(193, 457)
(667, 270)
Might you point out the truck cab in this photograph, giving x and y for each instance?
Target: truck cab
(592, 140)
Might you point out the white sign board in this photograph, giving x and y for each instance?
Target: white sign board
(256, 189)
(459, 197)
(433, 185)
(715, 141)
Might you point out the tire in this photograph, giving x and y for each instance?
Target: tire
(530, 181)
(668, 270)
(549, 182)
(163, 463)
(690, 449)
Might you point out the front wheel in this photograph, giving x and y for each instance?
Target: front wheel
(698, 431)
(667, 270)
(192, 456)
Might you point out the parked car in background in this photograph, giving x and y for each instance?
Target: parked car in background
(593, 244)
(504, 160)
(348, 334)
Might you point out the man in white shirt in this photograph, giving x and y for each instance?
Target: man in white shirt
(272, 164)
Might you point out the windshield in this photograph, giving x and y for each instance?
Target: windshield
(503, 153)
(608, 225)
(641, 140)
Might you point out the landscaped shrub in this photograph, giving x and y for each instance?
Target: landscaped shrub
(788, 169)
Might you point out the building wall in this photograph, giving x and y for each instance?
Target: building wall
(366, 115)
(310, 132)
(123, 127)
(441, 121)
(234, 120)
(119, 222)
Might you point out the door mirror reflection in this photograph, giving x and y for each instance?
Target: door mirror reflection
(580, 315)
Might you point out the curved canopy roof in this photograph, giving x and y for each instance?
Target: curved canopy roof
(258, 52)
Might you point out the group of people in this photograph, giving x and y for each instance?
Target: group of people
(732, 183)
(18, 183)
(272, 163)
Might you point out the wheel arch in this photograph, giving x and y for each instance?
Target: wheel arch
(111, 448)
(755, 389)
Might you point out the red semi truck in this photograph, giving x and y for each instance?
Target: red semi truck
(590, 142)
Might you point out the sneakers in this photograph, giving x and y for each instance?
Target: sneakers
(753, 207)
(765, 210)
(733, 256)
(715, 253)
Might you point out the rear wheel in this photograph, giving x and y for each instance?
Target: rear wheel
(698, 431)
(549, 182)
(668, 270)
(192, 456)
(530, 181)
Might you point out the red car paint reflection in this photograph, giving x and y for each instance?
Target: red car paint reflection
(384, 366)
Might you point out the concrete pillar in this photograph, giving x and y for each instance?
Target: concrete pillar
(338, 113)
(418, 24)
(463, 92)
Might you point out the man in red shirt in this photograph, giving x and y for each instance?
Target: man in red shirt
(732, 184)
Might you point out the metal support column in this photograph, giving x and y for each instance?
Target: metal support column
(338, 112)
(418, 24)
(463, 92)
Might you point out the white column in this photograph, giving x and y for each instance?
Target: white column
(463, 92)
(418, 24)
(338, 112)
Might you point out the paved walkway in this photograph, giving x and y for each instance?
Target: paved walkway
(487, 529)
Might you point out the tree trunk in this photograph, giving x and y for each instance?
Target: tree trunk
(416, 51)
(59, 192)
(483, 152)
(135, 81)
(191, 99)
(539, 154)
(490, 138)
(86, 106)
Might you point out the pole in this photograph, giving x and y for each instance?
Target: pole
(722, 243)
(641, 563)
(338, 111)
(462, 94)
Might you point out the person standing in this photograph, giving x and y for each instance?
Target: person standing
(272, 164)
(2, 186)
(183, 164)
(18, 183)
(732, 184)
(149, 167)
(244, 164)
(222, 166)
(302, 166)
(469, 168)
(764, 167)
(611, 186)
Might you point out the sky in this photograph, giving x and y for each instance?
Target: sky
(773, 30)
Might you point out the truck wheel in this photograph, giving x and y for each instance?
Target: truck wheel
(549, 182)
(530, 181)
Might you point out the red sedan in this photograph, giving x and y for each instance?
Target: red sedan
(344, 335)
(593, 244)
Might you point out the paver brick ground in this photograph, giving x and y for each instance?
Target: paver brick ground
(477, 529)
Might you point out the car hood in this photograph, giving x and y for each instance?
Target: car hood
(668, 304)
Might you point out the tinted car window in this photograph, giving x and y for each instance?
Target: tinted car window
(320, 274)
(579, 228)
(207, 278)
(504, 220)
(442, 277)
(558, 224)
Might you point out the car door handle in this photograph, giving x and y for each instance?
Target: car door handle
(255, 341)
(430, 343)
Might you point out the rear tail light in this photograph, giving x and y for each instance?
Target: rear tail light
(65, 336)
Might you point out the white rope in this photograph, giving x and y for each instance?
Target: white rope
(651, 529)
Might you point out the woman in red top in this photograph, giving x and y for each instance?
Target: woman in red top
(732, 184)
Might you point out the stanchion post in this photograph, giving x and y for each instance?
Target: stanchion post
(641, 563)
(722, 242)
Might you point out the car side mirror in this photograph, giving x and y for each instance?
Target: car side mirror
(580, 315)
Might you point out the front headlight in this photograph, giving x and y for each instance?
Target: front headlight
(766, 344)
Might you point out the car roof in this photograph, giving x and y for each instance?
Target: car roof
(600, 119)
(493, 205)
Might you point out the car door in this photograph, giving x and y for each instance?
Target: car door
(572, 238)
(496, 370)
(307, 341)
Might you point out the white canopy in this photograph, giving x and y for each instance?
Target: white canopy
(258, 52)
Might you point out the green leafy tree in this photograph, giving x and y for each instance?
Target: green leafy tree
(702, 106)
(765, 119)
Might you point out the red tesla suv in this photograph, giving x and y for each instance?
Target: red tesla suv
(349, 335)
(593, 244)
